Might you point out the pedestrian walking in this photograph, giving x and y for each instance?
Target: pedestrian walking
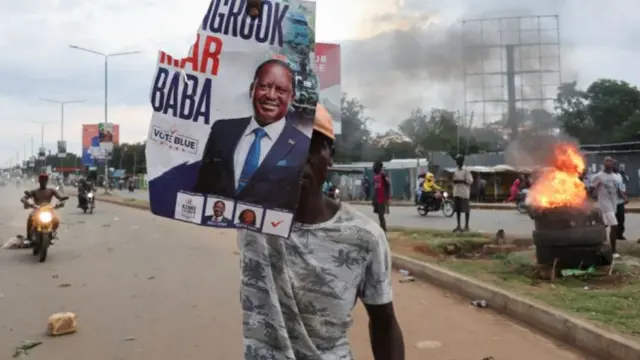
(462, 181)
(606, 187)
(381, 194)
(482, 188)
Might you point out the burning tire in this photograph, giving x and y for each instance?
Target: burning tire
(579, 236)
(575, 257)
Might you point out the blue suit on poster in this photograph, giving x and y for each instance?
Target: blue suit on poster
(275, 183)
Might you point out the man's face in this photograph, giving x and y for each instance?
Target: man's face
(43, 182)
(459, 161)
(218, 209)
(319, 160)
(272, 93)
(608, 163)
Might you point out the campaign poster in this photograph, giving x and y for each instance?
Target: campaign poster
(328, 69)
(105, 137)
(232, 121)
(92, 152)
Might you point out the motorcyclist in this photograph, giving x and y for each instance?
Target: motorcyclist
(84, 188)
(41, 196)
(429, 188)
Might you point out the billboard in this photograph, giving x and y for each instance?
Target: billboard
(328, 70)
(62, 148)
(92, 152)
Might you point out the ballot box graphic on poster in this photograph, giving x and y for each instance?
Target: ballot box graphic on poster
(232, 120)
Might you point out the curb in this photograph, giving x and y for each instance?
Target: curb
(572, 331)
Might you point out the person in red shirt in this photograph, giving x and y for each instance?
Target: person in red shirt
(515, 190)
(381, 191)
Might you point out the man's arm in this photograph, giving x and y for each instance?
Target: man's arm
(468, 177)
(25, 199)
(58, 196)
(385, 335)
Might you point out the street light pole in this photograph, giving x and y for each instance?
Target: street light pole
(42, 124)
(62, 104)
(106, 57)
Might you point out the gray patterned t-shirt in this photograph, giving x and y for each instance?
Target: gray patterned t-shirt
(297, 294)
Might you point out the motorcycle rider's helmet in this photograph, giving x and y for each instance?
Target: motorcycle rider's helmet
(430, 176)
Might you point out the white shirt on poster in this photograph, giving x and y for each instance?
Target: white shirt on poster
(273, 131)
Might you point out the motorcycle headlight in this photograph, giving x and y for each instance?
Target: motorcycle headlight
(445, 194)
(337, 191)
(90, 195)
(45, 217)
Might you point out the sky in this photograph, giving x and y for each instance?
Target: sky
(382, 65)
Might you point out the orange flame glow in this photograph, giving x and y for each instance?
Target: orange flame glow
(560, 185)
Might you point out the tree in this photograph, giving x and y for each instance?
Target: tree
(439, 130)
(607, 111)
(129, 157)
(392, 145)
(353, 142)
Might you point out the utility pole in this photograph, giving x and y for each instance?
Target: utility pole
(62, 104)
(106, 57)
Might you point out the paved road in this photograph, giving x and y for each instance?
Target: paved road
(174, 288)
(481, 220)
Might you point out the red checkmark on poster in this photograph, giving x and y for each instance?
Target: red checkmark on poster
(276, 223)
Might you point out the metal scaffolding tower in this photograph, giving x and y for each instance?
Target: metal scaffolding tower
(511, 66)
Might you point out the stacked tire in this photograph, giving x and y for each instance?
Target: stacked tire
(573, 248)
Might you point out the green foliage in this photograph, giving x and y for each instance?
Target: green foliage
(607, 111)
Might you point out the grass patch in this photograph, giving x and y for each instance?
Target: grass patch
(607, 300)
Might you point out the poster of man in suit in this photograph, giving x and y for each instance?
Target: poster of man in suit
(234, 125)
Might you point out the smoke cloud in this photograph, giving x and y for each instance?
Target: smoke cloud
(421, 61)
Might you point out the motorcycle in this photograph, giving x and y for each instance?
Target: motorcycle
(131, 187)
(88, 204)
(521, 202)
(440, 202)
(42, 231)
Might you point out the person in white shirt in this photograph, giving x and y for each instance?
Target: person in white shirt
(462, 181)
(607, 189)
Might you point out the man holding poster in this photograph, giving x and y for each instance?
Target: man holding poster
(227, 121)
(304, 288)
(258, 158)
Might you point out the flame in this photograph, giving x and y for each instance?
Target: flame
(560, 184)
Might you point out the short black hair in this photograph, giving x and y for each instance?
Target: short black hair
(220, 202)
(277, 62)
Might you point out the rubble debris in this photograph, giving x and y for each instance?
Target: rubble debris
(428, 344)
(62, 324)
(404, 272)
(17, 242)
(23, 350)
(408, 279)
(64, 285)
(130, 338)
(480, 303)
